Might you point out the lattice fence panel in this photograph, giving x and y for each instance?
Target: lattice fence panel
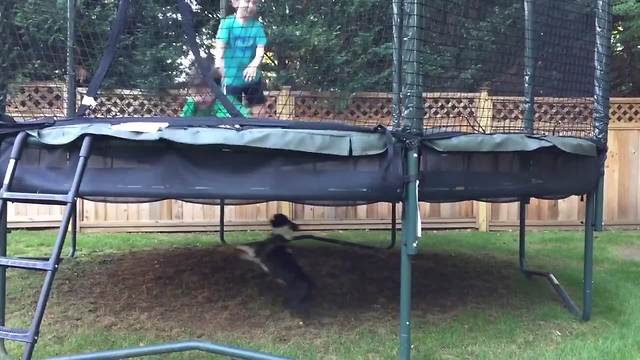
(37, 99)
(624, 112)
(563, 117)
(451, 111)
(362, 109)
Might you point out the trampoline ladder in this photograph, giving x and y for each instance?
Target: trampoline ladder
(30, 335)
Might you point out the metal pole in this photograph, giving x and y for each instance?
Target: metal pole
(408, 248)
(394, 226)
(522, 249)
(71, 95)
(602, 59)
(221, 229)
(396, 110)
(3, 277)
(74, 231)
(412, 129)
(599, 215)
(71, 62)
(529, 66)
(173, 348)
(223, 8)
(6, 55)
(588, 257)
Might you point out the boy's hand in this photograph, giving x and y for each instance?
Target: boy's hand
(250, 73)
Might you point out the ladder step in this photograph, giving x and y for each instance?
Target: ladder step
(26, 264)
(53, 199)
(22, 335)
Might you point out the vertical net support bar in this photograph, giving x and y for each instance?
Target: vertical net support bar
(6, 12)
(602, 60)
(3, 280)
(71, 100)
(71, 69)
(224, 5)
(529, 66)
(396, 109)
(411, 127)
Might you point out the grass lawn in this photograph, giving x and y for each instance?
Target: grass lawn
(469, 300)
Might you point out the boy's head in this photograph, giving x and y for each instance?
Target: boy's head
(245, 8)
(199, 89)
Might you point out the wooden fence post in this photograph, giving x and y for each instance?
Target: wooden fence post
(285, 110)
(485, 110)
(485, 117)
(285, 104)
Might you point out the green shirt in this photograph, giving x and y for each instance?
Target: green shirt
(241, 41)
(191, 109)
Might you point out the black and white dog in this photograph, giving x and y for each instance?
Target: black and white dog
(275, 258)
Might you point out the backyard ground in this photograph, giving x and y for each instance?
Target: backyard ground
(469, 300)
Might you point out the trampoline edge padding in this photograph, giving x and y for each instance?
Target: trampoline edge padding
(328, 142)
(510, 143)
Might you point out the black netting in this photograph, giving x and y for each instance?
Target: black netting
(504, 66)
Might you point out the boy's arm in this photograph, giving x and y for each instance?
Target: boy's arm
(222, 37)
(261, 41)
(252, 69)
(219, 56)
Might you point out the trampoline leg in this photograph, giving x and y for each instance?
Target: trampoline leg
(221, 230)
(3, 279)
(522, 237)
(564, 296)
(588, 257)
(405, 303)
(408, 248)
(394, 226)
(74, 231)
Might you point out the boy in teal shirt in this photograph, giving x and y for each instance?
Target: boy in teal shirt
(240, 44)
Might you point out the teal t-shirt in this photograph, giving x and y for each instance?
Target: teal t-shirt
(241, 41)
(191, 109)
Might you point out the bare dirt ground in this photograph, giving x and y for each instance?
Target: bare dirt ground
(210, 290)
(631, 252)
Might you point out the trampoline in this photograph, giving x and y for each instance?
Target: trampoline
(55, 160)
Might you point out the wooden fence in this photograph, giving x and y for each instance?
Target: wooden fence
(622, 180)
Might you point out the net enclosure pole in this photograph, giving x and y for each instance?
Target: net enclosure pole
(396, 108)
(411, 129)
(71, 99)
(3, 277)
(71, 69)
(529, 66)
(602, 60)
(223, 8)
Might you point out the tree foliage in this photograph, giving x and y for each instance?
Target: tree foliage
(339, 45)
(625, 74)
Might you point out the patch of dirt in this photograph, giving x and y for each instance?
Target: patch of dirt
(631, 252)
(211, 291)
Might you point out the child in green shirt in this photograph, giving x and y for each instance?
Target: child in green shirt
(203, 103)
